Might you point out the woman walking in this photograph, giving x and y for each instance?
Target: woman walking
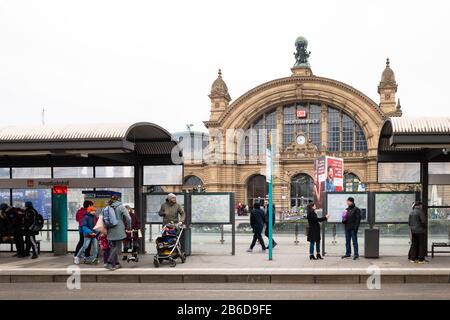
(314, 231)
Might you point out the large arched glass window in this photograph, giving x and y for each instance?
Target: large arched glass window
(257, 188)
(344, 134)
(193, 181)
(304, 118)
(301, 190)
(351, 182)
(257, 138)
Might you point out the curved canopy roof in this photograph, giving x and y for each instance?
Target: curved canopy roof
(140, 142)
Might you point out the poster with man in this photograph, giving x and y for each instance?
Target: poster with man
(328, 177)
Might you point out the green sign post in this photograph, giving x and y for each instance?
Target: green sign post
(269, 165)
(59, 219)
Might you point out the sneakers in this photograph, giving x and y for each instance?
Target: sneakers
(76, 260)
(345, 257)
(355, 257)
(110, 267)
(413, 261)
(34, 256)
(423, 261)
(249, 250)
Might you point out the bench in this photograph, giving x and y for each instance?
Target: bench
(12, 243)
(439, 245)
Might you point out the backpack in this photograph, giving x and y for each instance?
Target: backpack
(109, 217)
(38, 222)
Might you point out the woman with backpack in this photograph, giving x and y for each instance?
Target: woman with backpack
(32, 222)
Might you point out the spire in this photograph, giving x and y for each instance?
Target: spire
(387, 77)
(387, 90)
(219, 88)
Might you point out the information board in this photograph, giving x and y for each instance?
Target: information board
(337, 203)
(211, 208)
(393, 207)
(163, 175)
(154, 202)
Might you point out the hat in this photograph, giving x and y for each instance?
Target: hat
(170, 196)
(3, 206)
(351, 199)
(28, 204)
(115, 198)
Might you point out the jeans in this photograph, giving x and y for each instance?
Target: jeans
(30, 242)
(311, 247)
(258, 236)
(80, 244)
(266, 233)
(418, 249)
(116, 249)
(94, 248)
(351, 235)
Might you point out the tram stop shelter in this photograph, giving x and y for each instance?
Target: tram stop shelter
(125, 158)
(415, 151)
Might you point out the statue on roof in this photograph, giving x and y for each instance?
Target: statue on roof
(302, 54)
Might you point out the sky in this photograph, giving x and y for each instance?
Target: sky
(128, 61)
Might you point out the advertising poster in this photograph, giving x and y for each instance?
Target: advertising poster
(328, 177)
(100, 198)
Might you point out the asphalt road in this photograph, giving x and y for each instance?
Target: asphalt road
(229, 291)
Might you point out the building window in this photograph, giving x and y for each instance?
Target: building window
(257, 188)
(301, 191)
(302, 117)
(344, 134)
(193, 181)
(351, 182)
(257, 140)
(114, 172)
(73, 172)
(32, 173)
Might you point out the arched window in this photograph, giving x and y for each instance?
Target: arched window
(257, 137)
(351, 182)
(257, 188)
(301, 190)
(302, 118)
(344, 134)
(192, 181)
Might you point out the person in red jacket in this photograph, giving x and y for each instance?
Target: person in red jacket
(132, 240)
(79, 217)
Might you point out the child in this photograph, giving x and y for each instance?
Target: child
(105, 246)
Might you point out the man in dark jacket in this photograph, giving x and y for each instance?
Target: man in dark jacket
(351, 222)
(257, 221)
(30, 215)
(14, 226)
(418, 225)
(266, 210)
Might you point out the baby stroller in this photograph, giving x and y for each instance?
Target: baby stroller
(168, 246)
(133, 246)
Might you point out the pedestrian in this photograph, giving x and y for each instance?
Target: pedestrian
(314, 231)
(171, 211)
(266, 220)
(117, 233)
(79, 217)
(418, 225)
(90, 238)
(15, 227)
(105, 245)
(132, 240)
(30, 217)
(351, 220)
(257, 220)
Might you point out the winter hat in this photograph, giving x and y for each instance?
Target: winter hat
(171, 196)
(351, 199)
(28, 204)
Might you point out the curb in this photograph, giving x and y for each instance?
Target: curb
(227, 278)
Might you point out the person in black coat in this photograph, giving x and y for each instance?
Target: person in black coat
(314, 230)
(351, 221)
(266, 210)
(257, 221)
(30, 214)
(14, 227)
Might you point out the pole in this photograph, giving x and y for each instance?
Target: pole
(270, 178)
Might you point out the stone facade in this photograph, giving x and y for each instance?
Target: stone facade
(301, 86)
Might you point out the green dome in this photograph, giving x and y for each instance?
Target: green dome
(300, 40)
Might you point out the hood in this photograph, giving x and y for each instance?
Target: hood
(115, 204)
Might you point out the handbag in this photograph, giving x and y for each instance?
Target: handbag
(100, 226)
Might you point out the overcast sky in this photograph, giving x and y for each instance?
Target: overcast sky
(119, 61)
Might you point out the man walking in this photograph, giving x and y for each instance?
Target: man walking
(417, 224)
(351, 221)
(257, 220)
(266, 232)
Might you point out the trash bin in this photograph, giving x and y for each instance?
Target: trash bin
(372, 243)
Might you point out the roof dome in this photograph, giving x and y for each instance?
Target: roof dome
(388, 76)
(219, 88)
(301, 40)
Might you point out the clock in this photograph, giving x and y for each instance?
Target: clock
(301, 139)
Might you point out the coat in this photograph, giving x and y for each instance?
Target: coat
(257, 220)
(28, 220)
(172, 213)
(267, 215)
(417, 221)
(135, 225)
(118, 232)
(353, 218)
(87, 224)
(314, 226)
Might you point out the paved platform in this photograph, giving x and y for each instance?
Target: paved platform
(290, 265)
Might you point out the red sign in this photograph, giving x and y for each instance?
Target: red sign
(301, 113)
(59, 190)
